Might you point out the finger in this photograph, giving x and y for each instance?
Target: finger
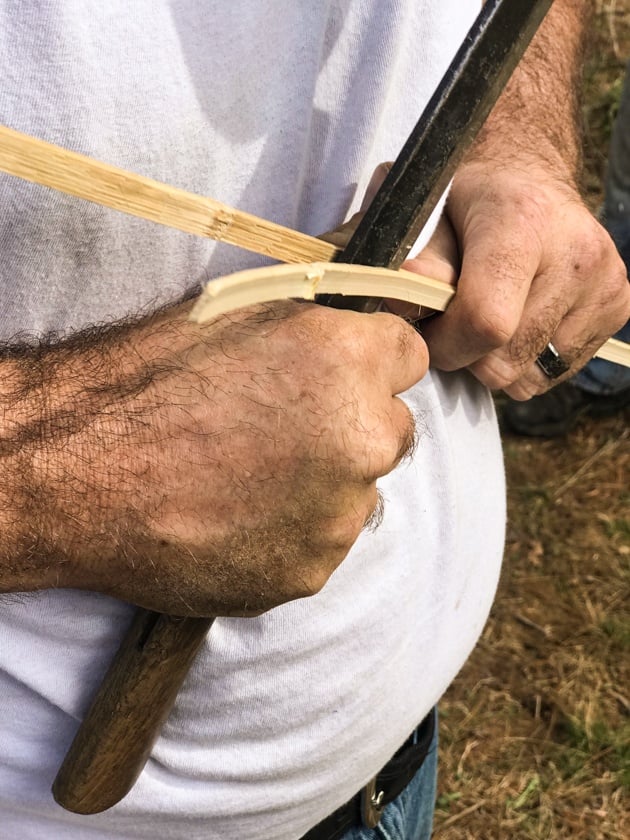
(361, 509)
(498, 267)
(574, 343)
(376, 182)
(540, 321)
(581, 312)
(340, 236)
(443, 252)
(403, 357)
(439, 260)
(392, 439)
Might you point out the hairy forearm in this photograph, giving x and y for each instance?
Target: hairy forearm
(215, 469)
(15, 515)
(538, 117)
(63, 407)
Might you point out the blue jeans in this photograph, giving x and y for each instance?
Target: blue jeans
(599, 376)
(410, 816)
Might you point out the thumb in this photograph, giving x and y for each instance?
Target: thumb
(439, 260)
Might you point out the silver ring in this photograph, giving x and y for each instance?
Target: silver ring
(551, 362)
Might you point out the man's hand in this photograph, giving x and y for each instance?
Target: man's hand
(536, 267)
(195, 470)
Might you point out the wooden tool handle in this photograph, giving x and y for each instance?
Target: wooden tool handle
(115, 738)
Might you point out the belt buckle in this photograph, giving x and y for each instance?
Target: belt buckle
(371, 804)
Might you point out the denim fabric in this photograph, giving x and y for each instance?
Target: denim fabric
(410, 816)
(599, 376)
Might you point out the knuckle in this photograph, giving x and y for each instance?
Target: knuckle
(411, 345)
(600, 246)
(408, 341)
(342, 541)
(616, 284)
(303, 577)
(382, 452)
(404, 340)
(304, 586)
(349, 344)
(494, 381)
(530, 212)
(407, 437)
(317, 582)
(339, 533)
(493, 327)
(597, 255)
(321, 571)
(525, 390)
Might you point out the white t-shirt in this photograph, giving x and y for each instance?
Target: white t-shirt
(282, 108)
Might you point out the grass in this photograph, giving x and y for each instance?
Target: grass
(536, 728)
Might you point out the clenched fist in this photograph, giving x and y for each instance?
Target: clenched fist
(216, 469)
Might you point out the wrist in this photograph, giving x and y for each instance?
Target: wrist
(544, 158)
(526, 188)
(537, 119)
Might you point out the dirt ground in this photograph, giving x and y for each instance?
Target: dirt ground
(536, 728)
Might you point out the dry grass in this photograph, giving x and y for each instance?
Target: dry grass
(610, 50)
(536, 729)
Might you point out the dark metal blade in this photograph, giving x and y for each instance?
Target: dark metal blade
(451, 121)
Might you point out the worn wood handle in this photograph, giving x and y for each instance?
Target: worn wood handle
(115, 738)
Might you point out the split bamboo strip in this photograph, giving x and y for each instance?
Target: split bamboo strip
(69, 172)
(278, 282)
(615, 351)
(262, 285)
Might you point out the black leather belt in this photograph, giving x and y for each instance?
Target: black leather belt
(366, 807)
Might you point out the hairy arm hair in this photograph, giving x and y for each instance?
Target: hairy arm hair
(538, 116)
(54, 395)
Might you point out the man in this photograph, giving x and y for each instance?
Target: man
(230, 469)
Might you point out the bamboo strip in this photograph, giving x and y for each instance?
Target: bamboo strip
(305, 281)
(615, 351)
(262, 285)
(69, 172)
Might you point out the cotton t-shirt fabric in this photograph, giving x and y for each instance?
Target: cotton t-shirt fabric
(282, 108)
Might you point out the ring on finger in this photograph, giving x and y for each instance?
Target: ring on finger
(551, 362)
